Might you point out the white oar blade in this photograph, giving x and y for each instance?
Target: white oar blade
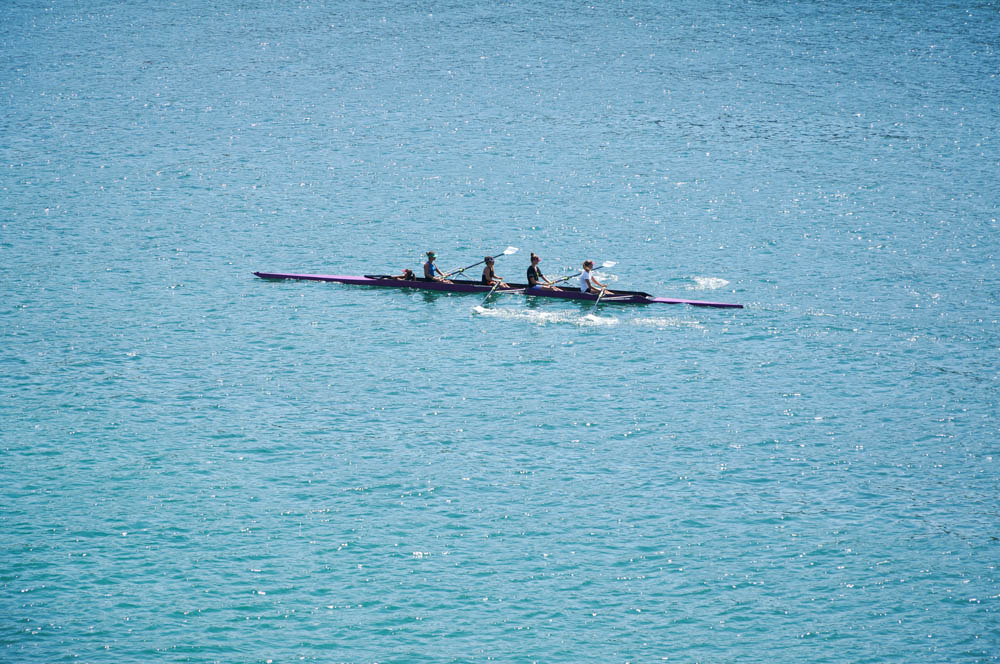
(509, 250)
(609, 264)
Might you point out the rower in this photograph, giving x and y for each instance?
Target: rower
(535, 276)
(588, 282)
(489, 276)
(432, 271)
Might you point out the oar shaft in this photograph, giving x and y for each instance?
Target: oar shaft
(599, 296)
(605, 264)
(562, 279)
(490, 294)
(463, 269)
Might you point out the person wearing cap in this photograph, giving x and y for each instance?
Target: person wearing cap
(535, 276)
(407, 275)
(432, 271)
(489, 276)
(588, 284)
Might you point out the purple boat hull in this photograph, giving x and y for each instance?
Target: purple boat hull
(465, 286)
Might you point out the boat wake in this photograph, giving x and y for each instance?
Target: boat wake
(665, 322)
(546, 317)
(594, 319)
(583, 320)
(707, 283)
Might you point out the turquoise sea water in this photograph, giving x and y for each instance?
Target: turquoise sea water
(197, 465)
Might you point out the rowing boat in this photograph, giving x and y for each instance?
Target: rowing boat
(466, 286)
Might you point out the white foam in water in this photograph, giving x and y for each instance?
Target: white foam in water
(667, 322)
(708, 283)
(583, 320)
(546, 317)
(594, 319)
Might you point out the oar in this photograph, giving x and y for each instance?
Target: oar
(506, 252)
(490, 294)
(605, 264)
(598, 300)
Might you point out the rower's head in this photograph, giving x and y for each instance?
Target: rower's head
(430, 255)
(489, 260)
(588, 265)
(535, 259)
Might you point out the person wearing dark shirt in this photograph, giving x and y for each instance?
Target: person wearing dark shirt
(535, 277)
(489, 276)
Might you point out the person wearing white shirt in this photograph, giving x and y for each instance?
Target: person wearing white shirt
(588, 284)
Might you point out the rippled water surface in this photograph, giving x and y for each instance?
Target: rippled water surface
(197, 465)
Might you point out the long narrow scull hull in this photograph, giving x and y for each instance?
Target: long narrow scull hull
(466, 286)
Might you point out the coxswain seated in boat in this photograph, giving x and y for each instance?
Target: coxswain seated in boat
(535, 277)
(407, 275)
(489, 277)
(588, 284)
(431, 271)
